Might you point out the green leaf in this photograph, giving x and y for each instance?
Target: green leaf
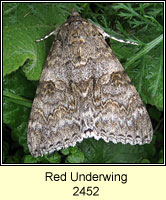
(65, 151)
(161, 160)
(102, 152)
(31, 159)
(17, 99)
(148, 79)
(53, 158)
(154, 113)
(144, 51)
(145, 161)
(14, 114)
(77, 157)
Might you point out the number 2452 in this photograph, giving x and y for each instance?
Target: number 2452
(89, 191)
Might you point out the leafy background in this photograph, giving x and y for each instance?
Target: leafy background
(23, 60)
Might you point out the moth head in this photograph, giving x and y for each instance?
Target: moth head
(73, 15)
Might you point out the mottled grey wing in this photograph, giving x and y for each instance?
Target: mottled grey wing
(122, 116)
(51, 126)
(54, 120)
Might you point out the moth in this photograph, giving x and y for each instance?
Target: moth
(84, 92)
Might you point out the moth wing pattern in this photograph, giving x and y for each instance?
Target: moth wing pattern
(84, 92)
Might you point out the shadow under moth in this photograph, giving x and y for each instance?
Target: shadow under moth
(84, 92)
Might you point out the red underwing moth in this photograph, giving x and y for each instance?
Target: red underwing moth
(84, 92)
